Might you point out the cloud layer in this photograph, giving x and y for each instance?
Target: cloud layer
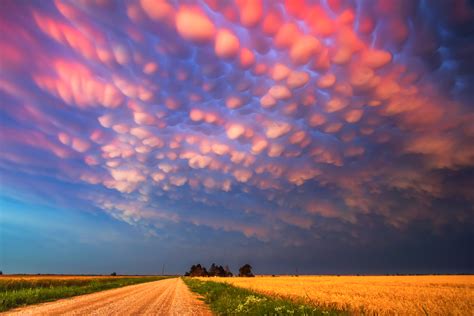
(283, 121)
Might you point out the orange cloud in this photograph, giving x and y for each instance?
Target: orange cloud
(192, 24)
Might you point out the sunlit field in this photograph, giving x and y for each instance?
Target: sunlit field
(384, 295)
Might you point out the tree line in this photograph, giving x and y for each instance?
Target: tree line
(219, 271)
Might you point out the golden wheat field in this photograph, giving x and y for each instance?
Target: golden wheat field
(382, 295)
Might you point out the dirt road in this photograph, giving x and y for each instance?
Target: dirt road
(165, 297)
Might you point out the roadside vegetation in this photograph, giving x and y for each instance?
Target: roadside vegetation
(225, 299)
(21, 291)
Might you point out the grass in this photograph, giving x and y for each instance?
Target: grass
(225, 299)
(16, 292)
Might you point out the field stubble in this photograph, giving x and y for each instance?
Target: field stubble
(382, 295)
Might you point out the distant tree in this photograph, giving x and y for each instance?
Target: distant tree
(213, 270)
(227, 271)
(221, 271)
(188, 273)
(113, 274)
(1, 272)
(197, 270)
(246, 271)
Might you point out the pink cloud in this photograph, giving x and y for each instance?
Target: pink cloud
(192, 24)
(266, 99)
(227, 44)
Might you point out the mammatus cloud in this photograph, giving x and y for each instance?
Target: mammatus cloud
(256, 117)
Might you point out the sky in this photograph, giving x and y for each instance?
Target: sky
(331, 136)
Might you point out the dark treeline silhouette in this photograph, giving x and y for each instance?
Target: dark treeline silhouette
(220, 271)
(197, 270)
(246, 271)
(214, 270)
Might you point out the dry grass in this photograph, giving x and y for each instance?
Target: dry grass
(383, 295)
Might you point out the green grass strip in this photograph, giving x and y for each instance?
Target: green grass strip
(16, 293)
(225, 299)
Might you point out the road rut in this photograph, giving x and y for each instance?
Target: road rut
(164, 297)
